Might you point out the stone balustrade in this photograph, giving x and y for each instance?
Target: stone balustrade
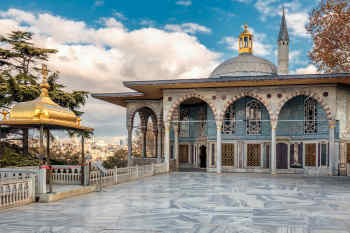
(66, 174)
(20, 187)
(16, 192)
(121, 175)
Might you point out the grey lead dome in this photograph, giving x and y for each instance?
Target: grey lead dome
(244, 64)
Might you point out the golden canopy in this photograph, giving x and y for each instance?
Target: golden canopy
(42, 111)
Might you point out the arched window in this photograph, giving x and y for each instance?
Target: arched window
(310, 116)
(253, 116)
(185, 124)
(245, 42)
(229, 123)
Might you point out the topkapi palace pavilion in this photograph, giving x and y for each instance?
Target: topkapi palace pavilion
(247, 116)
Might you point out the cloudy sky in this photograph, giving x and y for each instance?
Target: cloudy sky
(102, 43)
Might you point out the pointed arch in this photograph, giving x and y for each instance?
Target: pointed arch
(313, 95)
(241, 95)
(145, 112)
(174, 107)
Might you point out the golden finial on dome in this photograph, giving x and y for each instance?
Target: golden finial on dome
(44, 84)
(245, 41)
(246, 27)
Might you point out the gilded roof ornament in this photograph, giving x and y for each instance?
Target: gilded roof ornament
(245, 41)
(42, 111)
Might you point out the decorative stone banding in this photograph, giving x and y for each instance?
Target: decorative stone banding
(176, 104)
(305, 93)
(241, 95)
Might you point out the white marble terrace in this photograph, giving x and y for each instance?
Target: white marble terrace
(196, 202)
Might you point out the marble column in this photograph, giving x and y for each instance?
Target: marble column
(130, 146)
(159, 143)
(273, 150)
(332, 153)
(155, 133)
(144, 141)
(176, 144)
(167, 145)
(218, 148)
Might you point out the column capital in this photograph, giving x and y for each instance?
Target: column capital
(218, 125)
(274, 123)
(167, 125)
(332, 124)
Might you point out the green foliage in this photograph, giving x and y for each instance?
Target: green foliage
(11, 155)
(20, 66)
(119, 159)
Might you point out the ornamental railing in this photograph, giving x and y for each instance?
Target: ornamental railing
(66, 174)
(16, 192)
(122, 175)
(19, 187)
(238, 129)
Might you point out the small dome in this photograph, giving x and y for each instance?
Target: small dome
(244, 64)
(42, 111)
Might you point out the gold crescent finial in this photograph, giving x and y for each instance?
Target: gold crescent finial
(44, 70)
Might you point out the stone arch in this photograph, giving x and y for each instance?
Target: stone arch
(174, 107)
(144, 115)
(313, 95)
(241, 95)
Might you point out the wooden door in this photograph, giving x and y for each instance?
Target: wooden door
(253, 155)
(310, 154)
(267, 155)
(228, 158)
(282, 156)
(183, 154)
(347, 152)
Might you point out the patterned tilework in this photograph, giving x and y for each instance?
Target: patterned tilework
(196, 202)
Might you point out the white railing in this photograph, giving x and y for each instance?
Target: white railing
(66, 174)
(20, 186)
(121, 175)
(20, 173)
(16, 192)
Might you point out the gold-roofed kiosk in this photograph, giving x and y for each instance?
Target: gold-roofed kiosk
(43, 113)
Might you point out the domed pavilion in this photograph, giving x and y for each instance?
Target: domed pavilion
(44, 114)
(248, 115)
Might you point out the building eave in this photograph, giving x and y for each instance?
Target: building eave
(153, 90)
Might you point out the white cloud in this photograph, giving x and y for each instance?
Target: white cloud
(310, 69)
(295, 58)
(119, 15)
(184, 3)
(266, 8)
(99, 3)
(296, 14)
(245, 1)
(190, 28)
(99, 59)
(296, 23)
(148, 22)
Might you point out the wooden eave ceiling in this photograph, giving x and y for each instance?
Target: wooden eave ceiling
(154, 91)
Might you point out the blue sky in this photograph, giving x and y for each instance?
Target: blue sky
(105, 42)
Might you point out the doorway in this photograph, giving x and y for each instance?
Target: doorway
(183, 155)
(282, 156)
(203, 156)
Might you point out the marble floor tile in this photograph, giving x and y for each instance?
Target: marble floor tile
(196, 202)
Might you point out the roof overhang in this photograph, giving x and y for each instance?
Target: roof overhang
(47, 123)
(153, 90)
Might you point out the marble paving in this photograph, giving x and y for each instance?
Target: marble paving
(196, 202)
